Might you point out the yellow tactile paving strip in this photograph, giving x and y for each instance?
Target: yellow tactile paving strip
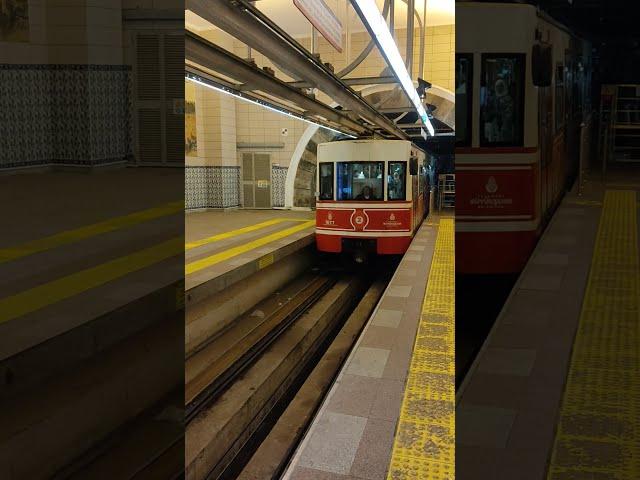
(597, 435)
(57, 290)
(206, 262)
(82, 233)
(424, 445)
(240, 231)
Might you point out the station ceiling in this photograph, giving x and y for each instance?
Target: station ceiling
(612, 26)
(600, 20)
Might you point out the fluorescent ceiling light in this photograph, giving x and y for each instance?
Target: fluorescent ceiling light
(222, 89)
(378, 27)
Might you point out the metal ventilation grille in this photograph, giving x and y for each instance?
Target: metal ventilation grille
(149, 138)
(148, 66)
(174, 95)
(174, 66)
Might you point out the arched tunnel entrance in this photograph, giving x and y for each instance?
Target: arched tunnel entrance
(300, 184)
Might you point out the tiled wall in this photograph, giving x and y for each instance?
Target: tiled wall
(439, 54)
(258, 126)
(62, 33)
(223, 122)
(219, 187)
(216, 129)
(440, 51)
(64, 115)
(278, 180)
(211, 187)
(64, 93)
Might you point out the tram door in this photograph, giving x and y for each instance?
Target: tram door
(545, 145)
(256, 180)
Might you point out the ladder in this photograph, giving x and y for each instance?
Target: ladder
(625, 124)
(446, 191)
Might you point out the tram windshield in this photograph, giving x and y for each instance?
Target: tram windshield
(464, 95)
(397, 182)
(361, 181)
(502, 99)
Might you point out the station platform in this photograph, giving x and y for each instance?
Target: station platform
(234, 259)
(220, 242)
(389, 413)
(84, 282)
(553, 392)
(73, 263)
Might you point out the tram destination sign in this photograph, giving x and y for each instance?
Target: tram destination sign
(323, 19)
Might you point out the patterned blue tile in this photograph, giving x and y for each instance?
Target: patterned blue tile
(278, 180)
(64, 114)
(212, 187)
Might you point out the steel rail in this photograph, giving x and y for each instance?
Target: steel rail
(237, 362)
(209, 55)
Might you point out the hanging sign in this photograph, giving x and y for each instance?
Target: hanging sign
(323, 19)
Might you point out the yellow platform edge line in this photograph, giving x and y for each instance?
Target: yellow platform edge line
(81, 233)
(240, 231)
(52, 292)
(240, 249)
(608, 335)
(424, 445)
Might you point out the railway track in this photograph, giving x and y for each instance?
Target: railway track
(241, 381)
(250, 390)
(211, 369)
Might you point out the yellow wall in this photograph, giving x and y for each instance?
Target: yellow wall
(440, 50)
(62, 33)
(257, 125)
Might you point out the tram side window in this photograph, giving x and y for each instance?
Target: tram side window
(464, 95)
(326, 181)
(360, 180)
(502, 100)
(397, 181)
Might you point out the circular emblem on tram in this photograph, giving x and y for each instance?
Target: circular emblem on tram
(359, 220)
(492, 185)
(330, 216)
(392, 217)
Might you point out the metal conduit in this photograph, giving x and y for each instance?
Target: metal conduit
(249, 25)
(411, 11)
(367, 50)
(389, 5)
(207, 54)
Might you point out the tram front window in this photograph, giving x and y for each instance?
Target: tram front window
(464, 95)
(360, 181)
(502, 99)
(397, 180)
(326, 181)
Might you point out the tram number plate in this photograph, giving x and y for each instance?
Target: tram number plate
(265, 261)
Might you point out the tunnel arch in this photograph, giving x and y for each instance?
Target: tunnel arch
(301, 179)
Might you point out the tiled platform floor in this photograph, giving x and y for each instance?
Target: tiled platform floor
(66, 260)
(352, 435)
(508, 406)
(224, 240)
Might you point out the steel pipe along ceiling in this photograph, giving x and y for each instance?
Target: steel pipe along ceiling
(246, 23)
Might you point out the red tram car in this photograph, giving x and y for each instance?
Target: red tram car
(522, 97)
(372, 196)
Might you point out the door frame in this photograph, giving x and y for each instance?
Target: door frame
(253, 181)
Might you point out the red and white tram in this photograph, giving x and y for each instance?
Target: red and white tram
(372, 196)
(522, 91)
